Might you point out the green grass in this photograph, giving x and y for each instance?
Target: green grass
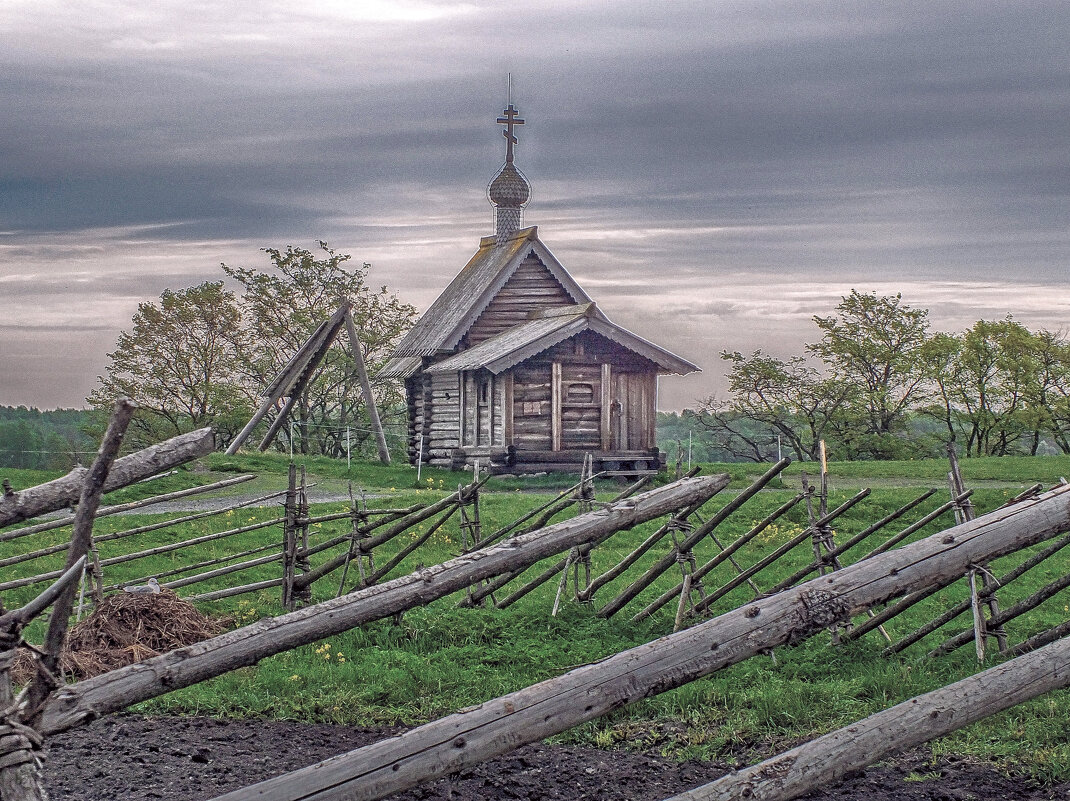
(440, 658)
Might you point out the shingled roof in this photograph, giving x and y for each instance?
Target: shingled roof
(460, 304)
(548, 328)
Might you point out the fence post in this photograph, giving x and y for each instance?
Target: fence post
(289, 541)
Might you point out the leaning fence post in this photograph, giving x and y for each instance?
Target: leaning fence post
(289, 540)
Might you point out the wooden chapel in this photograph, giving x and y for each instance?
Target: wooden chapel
(515, 365)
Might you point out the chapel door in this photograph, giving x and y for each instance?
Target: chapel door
(578, 426)
(632, 411)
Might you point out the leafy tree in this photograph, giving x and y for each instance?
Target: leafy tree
(874, 344)
(202, 356)
(771, 398)
(283, 306)
(1047, 393)
(178, 363)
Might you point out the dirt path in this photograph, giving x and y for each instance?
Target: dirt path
(134, 758)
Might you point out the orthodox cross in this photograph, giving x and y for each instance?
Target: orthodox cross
(509, 120)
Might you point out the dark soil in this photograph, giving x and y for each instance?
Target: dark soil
(188, 759)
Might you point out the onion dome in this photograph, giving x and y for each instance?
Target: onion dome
(510, 188)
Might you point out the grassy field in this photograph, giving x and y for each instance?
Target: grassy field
(441, 658)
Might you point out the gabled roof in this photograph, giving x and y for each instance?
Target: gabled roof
(548, 328)
(451, 316)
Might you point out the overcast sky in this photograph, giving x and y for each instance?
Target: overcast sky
(713, 173)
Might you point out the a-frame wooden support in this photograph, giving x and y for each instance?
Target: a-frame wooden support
(294, 377)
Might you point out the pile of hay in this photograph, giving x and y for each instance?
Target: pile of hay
(127, 628)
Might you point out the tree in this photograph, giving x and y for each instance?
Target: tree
(179, 362)
(282, 308)
(993, 374)
(1048, 392)
(772, 398)
(875, 344)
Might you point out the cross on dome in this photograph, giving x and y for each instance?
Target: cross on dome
(509, 120)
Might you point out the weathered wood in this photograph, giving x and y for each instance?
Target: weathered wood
(366, 388)
(45, 680)
(692, 539)
(290, 373)
(618, 569)
(63, 492)
(303, 379)
(767, 560)
(1041, 639)
(961, 607)
(555, 408)
(408, 549)
(230, 557)
(724, 555)
(115, 560)
(197, 578)
(552, 706)
(895, 539)
(20, 778)
(391, 530)
(130, 532)
(850, 542)
(75, 703)
(289, 540)
(911, 723)
(105, 511)
(492, 586)
(1005, 616)
(230, 592)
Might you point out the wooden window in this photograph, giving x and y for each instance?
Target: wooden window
(580, 393)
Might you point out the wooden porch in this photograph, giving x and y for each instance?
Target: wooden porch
(521, 461)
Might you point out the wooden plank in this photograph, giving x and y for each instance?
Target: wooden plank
(605, 434)
(510, 399)
(829, 758)
(555, 407)
(63, 492)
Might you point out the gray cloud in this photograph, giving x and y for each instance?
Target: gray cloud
(684, 156)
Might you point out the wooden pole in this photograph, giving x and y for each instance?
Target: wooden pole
(105, 511)
(45, 679)
(961, 607)
(289, 541)
(115, 560)
(20, 775)
(894, 540)
(505, 723)
(295, 391)
(391, 530)
(366, 389)
(130, 532)
(75, 703)
(851, 542)
(1008, 614)
(767, 560)
(584, 555)
(690, 542)
(725, 554)
(63, 492)
(829, 758)
(286, 377)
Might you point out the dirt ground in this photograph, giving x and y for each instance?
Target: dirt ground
(135, 758)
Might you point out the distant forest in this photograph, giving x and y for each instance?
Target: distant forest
(36, 440)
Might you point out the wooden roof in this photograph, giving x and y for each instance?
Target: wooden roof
(549, 327)
(443, 325)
